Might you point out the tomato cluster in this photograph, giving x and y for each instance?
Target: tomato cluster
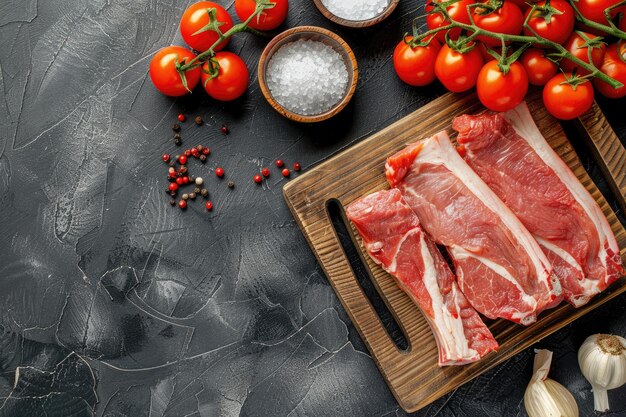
(518, 44)
(206, 27)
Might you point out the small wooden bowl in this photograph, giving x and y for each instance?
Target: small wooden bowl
(356, 23)
(317, 34)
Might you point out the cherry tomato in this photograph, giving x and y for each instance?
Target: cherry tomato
(594, 9)
(416, 66)
(575, 46)
(523, 4)
(613, 65)
(507, 19)
(232, 79)
(456, 71)
(457, 12)
(500, 92)
(538, 68)
(268, 19)
(565, 101)
(558, 27)
(196, 18)
(164, 75)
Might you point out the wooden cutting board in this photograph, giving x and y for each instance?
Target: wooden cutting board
(413, 375)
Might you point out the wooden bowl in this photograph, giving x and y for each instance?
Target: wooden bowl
(317, 34)
(356, 23)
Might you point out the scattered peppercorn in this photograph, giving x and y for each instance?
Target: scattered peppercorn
(180, 181)
(265, 172)
(187, 153)
(195, 152)
(199, 181)
(170, 179)
(181, 118)
(173, 174)
(279, 163)
(231, 184)
(258, 179)
(178, 142)
(182, 204)
(186, 180)
(172, 163)
(183, 170)
(182, 160)
(167, 190)
(173, 193)
(286, 172)
(199, 148)
(173, 186)
(171, 169)
(206, 151)
(165, 157)
(176, 127)
(172, 202)
(192, 179)
(177, 136)
(296, 166)
(196, 190)
(225, 130)
(202, 158)
(204, 192)
(209, 205)
(219, 172)
(198, 120)
(192, 196)
(185, 196)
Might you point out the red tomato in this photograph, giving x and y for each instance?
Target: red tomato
(507, 19)
(268, 19)
(500, 92)
(556, 29)
(196, 18)
(522, 4)
(457, 12)
(565, 101)
(538, 68)
(613, 65)
(164, 75)
(416, 66)
(232, 79)
(575, 46)
(456, 71)
(594, 9)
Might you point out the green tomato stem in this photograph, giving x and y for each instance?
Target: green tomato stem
(240, 27)
(562, 52)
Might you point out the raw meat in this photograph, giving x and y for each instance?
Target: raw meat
(394, 239)
(499, 266)
(509, 153)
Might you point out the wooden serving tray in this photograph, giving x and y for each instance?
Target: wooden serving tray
(413, 375)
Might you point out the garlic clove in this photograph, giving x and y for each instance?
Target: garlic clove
(602, 360)
(545, 397)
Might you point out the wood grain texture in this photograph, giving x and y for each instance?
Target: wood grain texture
(317, 34)
(607, 150)
(356, 23)
(414, 376)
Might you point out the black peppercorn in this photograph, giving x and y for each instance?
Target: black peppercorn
(172, 202)
(231, 184)
(202, 158)
(225, 130)
(173, 193)
(172, 163)
(200, 148)
(204, 192)
(176, 127)
(198, 120)
(192, 196)
(196, 190)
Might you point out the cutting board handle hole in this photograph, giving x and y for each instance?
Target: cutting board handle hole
(351, 248)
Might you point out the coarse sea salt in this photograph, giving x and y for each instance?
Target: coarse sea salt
(307, 77)
(356, 9)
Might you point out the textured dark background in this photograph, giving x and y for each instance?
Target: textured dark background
(114, 304)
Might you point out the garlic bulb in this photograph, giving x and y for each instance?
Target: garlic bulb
(602, 360)
(545, 397)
